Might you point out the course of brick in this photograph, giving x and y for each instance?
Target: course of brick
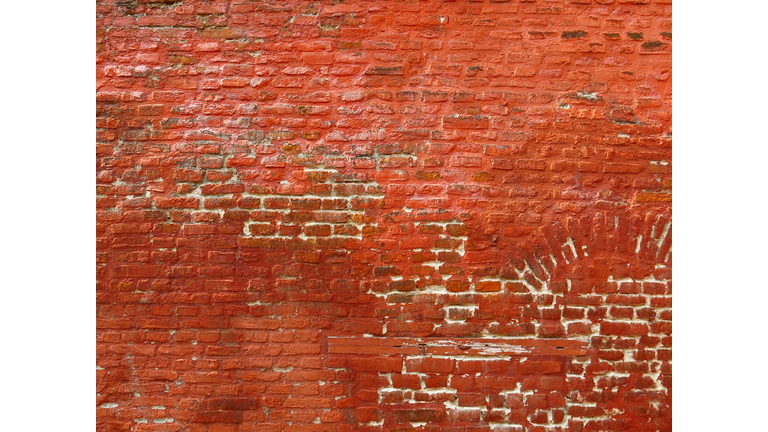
(383, 215)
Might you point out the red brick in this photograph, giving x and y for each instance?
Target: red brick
(378, 364)
(218, 417)
(273, 174)
(430, 365)
(623, 329)
(418, 415)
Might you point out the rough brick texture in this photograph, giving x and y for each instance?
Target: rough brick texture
(272, 174)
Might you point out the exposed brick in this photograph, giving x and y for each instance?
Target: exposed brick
(433, 365)
(418, 415)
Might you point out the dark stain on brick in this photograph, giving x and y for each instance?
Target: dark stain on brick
(655, 45)
(234, 403)
(574, 34)
(379, 70)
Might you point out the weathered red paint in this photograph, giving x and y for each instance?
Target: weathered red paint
(275, 178)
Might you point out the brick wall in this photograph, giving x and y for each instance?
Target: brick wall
(383, 215)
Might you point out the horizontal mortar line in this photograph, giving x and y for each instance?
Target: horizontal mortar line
(456, 346)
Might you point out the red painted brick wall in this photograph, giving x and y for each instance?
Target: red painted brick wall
(273, 175)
